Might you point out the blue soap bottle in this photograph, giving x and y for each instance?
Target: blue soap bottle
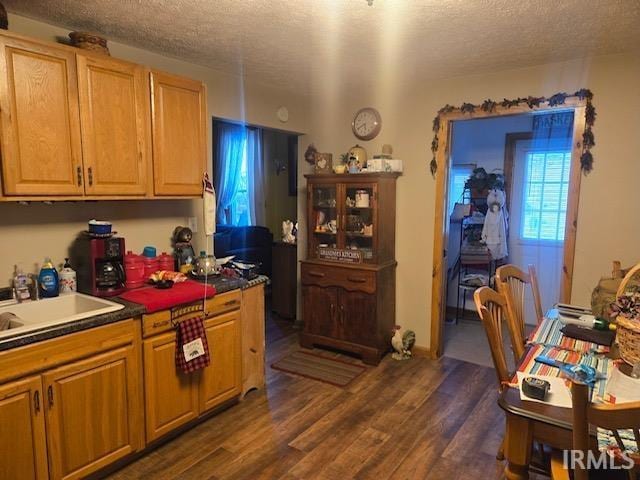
(48, 281)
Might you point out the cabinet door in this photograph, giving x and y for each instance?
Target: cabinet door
(222, 379)
(324, 218)
(179, 134)
(115, 118)
(41, 152)
(358, 317)
(22, 442)
(171, 397)
(94, 412)
(320, 306)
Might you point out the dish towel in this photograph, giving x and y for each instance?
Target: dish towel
(209, 197)
(192, 350)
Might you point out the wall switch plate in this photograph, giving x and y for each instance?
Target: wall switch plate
(192, 223)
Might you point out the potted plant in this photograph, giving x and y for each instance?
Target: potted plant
(480, 182)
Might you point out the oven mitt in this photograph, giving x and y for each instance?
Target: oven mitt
(589, 335)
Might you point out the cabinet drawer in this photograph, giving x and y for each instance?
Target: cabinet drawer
(158, 322)
(347, 278)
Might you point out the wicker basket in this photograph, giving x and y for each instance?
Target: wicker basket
(628, 330)
(89, 41)
(628, 337)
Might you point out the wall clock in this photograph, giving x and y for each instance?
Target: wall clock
(366, 123)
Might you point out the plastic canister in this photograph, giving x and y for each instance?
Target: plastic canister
(167, 262)
(134, 270)
(151, 266)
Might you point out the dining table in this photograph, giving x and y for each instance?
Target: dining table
(527, 421)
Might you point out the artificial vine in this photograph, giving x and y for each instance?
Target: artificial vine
(489, 106)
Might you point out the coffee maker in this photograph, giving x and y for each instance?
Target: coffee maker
(99, 265)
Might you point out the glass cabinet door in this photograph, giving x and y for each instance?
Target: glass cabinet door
(359, 225)
(323, 217)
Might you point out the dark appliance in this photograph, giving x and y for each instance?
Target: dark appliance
(100, 265)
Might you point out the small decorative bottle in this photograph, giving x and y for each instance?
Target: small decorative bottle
(67, 278)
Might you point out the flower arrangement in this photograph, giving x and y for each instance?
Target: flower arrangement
(481, 181)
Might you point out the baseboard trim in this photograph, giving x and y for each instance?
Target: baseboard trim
(421, 352)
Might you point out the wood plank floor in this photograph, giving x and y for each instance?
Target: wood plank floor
(401, 420)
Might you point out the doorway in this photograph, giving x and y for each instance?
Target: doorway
(535, 156)
(255, 177)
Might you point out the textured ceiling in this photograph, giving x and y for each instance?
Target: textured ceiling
(306, 45)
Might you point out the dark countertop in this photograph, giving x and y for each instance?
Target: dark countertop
(223, 284)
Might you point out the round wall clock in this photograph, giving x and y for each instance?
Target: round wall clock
(366, 123)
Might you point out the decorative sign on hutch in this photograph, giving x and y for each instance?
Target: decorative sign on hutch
(340, 255)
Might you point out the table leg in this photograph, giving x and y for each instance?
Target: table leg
(518, 442)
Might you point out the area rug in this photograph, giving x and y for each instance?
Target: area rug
(316, 367)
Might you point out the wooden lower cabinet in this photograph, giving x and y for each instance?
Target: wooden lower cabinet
(93, 412)
(171, 397)
(23, 442)
(349, 308)
(222, 379)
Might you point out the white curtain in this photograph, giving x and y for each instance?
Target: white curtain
(255, 173)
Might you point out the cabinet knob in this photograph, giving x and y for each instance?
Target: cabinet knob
(50, 395)
(316, 274)
(36, 401)
(90, 171)
(79, 175)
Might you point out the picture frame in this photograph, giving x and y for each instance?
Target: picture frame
(323, 162)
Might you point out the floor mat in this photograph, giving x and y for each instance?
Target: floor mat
(316, 367)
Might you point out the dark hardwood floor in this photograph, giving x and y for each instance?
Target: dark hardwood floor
(401, 420)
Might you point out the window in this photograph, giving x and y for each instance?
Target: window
(546, 187)
(457, 178)
(239, 208)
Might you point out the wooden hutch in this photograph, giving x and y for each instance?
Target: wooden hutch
(350, 306)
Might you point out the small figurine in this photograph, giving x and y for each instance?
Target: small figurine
(287, 232)
(402, 342)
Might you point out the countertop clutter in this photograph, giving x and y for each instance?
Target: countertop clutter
(221, 283)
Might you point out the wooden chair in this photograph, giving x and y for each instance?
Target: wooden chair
(492, 308)
(612, 417)
(511, 282)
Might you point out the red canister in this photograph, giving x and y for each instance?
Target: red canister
(151, 266)
(134, 270)
(166, 262)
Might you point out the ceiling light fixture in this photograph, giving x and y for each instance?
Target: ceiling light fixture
(370, 3)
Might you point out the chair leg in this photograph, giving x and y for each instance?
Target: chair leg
(500, 454)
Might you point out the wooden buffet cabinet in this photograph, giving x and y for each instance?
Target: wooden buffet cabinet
(73, 405)
(350, 306)
(83, 125)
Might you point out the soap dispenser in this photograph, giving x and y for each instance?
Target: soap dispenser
(48, 280)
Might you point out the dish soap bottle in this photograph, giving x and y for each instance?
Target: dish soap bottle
(67, 278)
(48, 282)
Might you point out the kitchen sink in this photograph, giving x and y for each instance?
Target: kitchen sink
(51, 312)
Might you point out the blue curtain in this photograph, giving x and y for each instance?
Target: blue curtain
(231, 141)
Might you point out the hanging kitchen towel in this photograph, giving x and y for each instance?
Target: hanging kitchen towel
(209, 201)
(192, 350)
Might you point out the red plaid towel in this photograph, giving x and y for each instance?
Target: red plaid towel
(188, 331)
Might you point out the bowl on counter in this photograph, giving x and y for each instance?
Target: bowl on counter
(99, 227)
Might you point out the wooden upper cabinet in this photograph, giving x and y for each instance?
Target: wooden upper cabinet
(179, 134)
(23, 442)
(41, 149)
(94, 412)
(114, 116)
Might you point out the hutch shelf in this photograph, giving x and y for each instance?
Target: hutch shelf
(350, 306)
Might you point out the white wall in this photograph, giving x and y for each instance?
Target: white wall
(607, 226)
(27, 233)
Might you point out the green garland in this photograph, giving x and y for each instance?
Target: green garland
(489, 106)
